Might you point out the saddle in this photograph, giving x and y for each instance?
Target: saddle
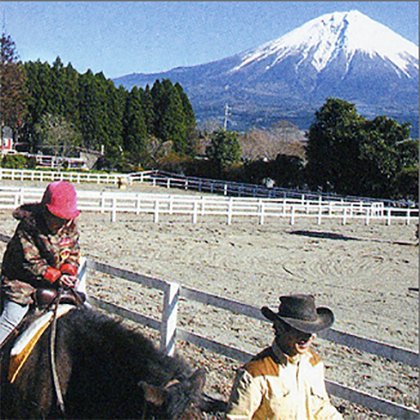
(27, 339)
(31, 328)
(44, 298)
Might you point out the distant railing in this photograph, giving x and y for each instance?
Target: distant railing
(70, 176)
(169, 180)
(196, 206)
(230, 188)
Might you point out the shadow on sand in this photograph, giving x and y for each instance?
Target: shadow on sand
(324, 235)
(340, 237)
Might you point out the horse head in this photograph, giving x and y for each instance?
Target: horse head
(177, 400)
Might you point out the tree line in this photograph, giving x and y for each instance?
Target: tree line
(93, 113)
(55, 109)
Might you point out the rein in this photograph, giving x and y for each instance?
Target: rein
(56, 381)
(53, 337)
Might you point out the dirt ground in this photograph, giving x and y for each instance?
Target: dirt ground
(368, 275)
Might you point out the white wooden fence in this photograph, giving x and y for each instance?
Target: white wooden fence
(169, 333)
(240, 189)
(228, 207)
(49, 176)
(170, 180)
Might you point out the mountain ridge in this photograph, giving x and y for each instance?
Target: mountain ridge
(342, 54)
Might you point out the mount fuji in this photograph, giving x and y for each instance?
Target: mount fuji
(344, 55)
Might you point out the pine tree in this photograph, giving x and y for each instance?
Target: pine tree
(190, 123)
(12, 86)
(92, 99)
(135, 128)
(170, 119)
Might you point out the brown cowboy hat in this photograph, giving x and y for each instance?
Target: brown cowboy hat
(299, 312)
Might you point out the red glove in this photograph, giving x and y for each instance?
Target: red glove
(68, 268)
(52, 274)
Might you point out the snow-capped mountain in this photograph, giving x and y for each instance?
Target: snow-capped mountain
(344, 54)
(323, 40)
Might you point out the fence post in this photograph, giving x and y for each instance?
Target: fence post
(408, 216)
(17, 199)
(261, 211)
(169, 314)
(292, 216)
(203, 201)
(230, 209)
(102, 202)
(344, 215)
(138, 205)
(171, 204)
(195, 210)
(388, 219)
(156, 217)
(114, 210)
(319, 211)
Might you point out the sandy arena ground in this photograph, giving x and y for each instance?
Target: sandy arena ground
(368, 275)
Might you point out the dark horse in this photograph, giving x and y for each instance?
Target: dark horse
(105, 371)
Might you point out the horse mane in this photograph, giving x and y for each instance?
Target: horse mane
(102, 366)
(99, 336)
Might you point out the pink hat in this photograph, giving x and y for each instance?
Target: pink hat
(61, 200)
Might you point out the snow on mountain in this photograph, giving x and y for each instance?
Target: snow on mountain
(344, 55)
(322, 39)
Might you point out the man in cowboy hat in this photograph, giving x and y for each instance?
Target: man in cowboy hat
(44, 252)
(286, 380)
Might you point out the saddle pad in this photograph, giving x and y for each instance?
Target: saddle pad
(27, 341)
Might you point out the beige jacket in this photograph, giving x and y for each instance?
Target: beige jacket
(273, 386)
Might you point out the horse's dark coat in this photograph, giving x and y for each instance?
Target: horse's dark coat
(100, 364)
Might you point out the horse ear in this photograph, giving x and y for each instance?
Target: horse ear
(198, 379)
(152, 394)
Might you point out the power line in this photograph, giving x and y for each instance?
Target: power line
(227, 115)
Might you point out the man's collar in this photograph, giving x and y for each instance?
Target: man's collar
(283, 358)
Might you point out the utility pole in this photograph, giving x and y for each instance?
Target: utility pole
(227, 115)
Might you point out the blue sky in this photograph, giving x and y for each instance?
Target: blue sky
(120, 38)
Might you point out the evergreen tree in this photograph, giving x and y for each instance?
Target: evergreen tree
(69, 79)
(113, 124)
(92, 100)
(223, 151)
(135, 128)
(349, 154)
(170, 123)
(332, 147)
(36, 103)
(12, 86)
(385, 152)
(191, 133)
(148, 109)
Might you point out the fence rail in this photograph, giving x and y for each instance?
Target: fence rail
(196, 206)
(49, 176)
(230, 188)
(170, 180)
(169, 332)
